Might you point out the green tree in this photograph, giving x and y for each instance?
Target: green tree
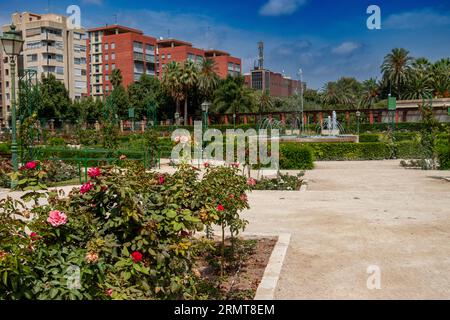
(189, 80)
(55, 100)
(441, 78)
(208, 80)
(396, 68)
(231, 96)
(370, 93)
(171, 82)
(119, 95)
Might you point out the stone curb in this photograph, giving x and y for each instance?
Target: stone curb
(269, 281)
(304, 186)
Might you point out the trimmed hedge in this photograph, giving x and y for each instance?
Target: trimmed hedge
(408, 150)
(369, 137)
(405, 136)
(351, 151)
(296, 156)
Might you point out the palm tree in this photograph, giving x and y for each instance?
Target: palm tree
(264, 103)
(171, 81)
(419, 86)
(370, 93)
(189, 79)
(208, 80)
(396, 67)
(330, 94)
(441, 78)
(116, 78)
(421, 65)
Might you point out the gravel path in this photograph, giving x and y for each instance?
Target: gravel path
(357, 214)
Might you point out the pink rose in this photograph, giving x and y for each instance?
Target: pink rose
(206, 164)
(161, 179)
(235, 165)
(109, 292)
(94, 172)
(251, 182)
(57, 218)
(31, 165)
(244, 197)
(85, 187)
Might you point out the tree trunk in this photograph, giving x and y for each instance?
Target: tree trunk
(185, 110)
(177, 110)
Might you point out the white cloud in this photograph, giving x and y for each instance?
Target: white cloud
(280, 7)
(417, 19)
(346, 48)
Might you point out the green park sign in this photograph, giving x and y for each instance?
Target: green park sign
(392, 103)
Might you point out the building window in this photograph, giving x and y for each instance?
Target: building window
(163, 56)
(113, 66)
(33, 44)
(32, 58)
(230, 66)
(80, 84)
(191, 57)
(107, 77)
(6, 72)
(169, 56)
(150, 49)
(199, 59)
(59, 70)
(113, 56)
(106, 57)
(138, 47)
(106, 67)
(106, 46)
(113, 45)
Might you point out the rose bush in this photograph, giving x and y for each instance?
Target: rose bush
(126, 234)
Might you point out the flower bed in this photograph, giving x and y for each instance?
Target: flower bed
(125, 234)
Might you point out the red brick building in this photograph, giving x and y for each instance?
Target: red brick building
(225, 64)
(180, 51)
(274, 83)
(118, 47)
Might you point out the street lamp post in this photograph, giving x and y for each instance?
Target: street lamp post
(300, 74)
(358, 114)
(13, 45)
(205, 108)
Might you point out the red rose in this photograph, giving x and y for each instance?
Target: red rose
(161, 179)
(34, 236)
(109, 292)
(251, 182)
(85, 187)
(94, 172)
(206, 165)
(31, 165)
(220, 207)
(136, 256)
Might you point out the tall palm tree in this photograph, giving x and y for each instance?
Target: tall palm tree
(208, 80)
(421, 65)
(264, 102)
(330, 94)
(396, 67)
(189, 79)
(441, 78)
(419, 86)
(370, 93)
(171, 81)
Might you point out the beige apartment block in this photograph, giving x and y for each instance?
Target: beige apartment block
(51, 47)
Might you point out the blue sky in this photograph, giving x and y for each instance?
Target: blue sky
(327, 39)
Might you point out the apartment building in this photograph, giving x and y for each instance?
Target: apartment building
(225, 64)
(180, 51)
(118, 47)
(276, 84)
(50, 47)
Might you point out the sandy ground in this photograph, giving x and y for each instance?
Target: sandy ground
(355, 215)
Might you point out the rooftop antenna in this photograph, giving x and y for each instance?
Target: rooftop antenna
(261, 55)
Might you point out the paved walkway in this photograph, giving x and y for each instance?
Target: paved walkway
(358, 214)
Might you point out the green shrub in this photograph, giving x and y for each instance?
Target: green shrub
(296, 156)
(408, 150)
(369, 137)
(56, 142)
(351, 151)
(444, 158)
(5, 148)
(405, 136)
